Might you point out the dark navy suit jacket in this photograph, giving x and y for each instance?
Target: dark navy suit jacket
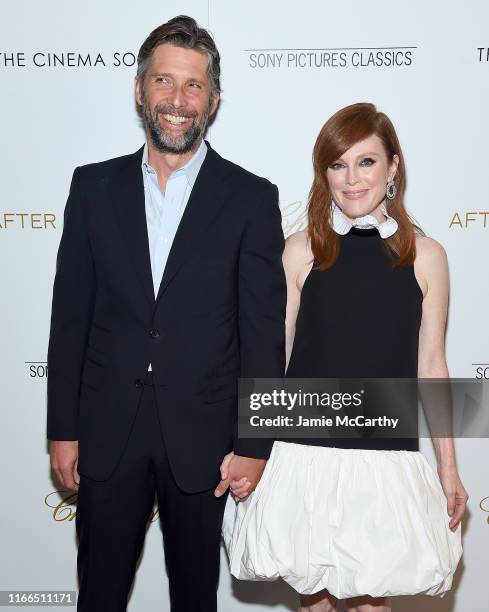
(219, 314)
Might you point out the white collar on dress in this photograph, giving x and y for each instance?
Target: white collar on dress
(343, 224)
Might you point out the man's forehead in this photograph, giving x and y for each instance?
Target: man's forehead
(171, 55)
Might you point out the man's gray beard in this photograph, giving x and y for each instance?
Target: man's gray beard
(162, 141)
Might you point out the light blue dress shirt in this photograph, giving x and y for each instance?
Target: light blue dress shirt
(164, 210)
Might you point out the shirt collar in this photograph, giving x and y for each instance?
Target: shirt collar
(343, 224)
(191, 168)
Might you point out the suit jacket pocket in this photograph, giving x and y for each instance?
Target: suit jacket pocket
(93, 374)
(221, 388)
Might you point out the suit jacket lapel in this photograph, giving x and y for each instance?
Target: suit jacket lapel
(207, 197)
(127, 194)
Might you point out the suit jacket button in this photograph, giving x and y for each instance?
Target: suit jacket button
(154, 333)
(138, 383)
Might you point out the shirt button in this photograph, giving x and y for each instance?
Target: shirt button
(154, 333)
(138, 383)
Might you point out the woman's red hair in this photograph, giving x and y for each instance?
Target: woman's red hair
(344, 129)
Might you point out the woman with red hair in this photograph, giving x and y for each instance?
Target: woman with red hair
(356, 519)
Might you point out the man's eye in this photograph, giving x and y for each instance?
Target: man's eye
(196, 85)
(161, 80)
(368, 161)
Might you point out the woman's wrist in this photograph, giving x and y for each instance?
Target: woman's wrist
(445, 453)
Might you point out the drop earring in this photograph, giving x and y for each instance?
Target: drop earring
(391, 190)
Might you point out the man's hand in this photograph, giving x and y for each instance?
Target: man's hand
(240, 474)
(64, 461)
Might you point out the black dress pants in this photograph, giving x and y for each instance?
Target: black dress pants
(112, 517)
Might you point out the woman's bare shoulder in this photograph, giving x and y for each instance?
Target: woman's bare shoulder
(298, 258)
(429, 251)
(430, 265)
(298, 248)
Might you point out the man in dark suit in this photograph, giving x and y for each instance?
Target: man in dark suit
(169, 286)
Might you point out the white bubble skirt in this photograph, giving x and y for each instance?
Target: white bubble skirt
(354, 522)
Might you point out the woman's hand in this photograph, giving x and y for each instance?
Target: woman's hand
(454, 492)
(241, 475)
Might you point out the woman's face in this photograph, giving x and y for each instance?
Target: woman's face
(359, 178)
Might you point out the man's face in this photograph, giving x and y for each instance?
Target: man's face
(176, 98)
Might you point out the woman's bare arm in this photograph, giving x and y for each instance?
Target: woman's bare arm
(297, 260)
(431, 270)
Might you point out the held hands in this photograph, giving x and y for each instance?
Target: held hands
(454, 492)
(64, 462)
(240, 474)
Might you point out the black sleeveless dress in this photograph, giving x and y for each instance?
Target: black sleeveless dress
(353, 522)
(359, 319)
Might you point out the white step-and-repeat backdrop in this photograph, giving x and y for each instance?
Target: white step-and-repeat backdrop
(66, 74)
